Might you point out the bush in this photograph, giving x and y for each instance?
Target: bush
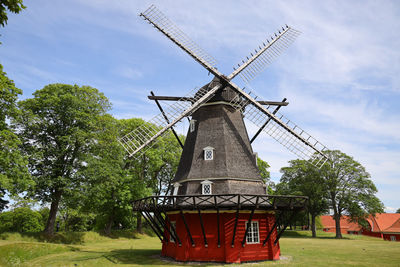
(23, 220)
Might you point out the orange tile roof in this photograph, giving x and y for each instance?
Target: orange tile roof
(385, 222)
(328, 222)
(394, 228)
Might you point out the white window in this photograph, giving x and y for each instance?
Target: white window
(172, 228)
(206, 188)
(176, 188)
(392, 238)
(253, 235)
(192, 125)
(208, 153)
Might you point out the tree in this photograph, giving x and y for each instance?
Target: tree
(349, 188)
(14, 6)
(398, 210)
(13, 172)
(57, 127)
(115, 180)
(301, 178)
(22, 219)
(265, 175)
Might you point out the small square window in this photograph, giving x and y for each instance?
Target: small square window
(393, 238)
(253, 235)
(209, 155)
(206, 189)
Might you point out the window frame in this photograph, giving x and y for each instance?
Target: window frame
(250, 238)
(203, 186)
(210, 150)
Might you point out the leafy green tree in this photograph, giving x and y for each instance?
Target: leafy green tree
(14, 6)
(13, 166)
(349, 188)
(114, 180)
(57, 127)
(23, 220)
(301, 178)
(265, 174)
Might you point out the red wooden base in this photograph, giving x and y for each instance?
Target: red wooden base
(225, 252)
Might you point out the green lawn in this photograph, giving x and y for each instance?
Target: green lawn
(298, 249)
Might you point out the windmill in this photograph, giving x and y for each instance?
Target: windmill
(218, 209)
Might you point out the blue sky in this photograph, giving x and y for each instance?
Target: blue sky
(341, 76)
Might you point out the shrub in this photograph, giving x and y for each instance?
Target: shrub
(23, 220)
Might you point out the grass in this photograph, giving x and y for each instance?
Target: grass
(127, 249)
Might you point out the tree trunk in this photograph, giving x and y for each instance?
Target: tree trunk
(337, 225)
(313, 226)
(139, 227)
(107, 228)
(336, 216)
(49, 230)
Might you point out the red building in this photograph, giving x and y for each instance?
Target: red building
(346, 226)
(382, 225)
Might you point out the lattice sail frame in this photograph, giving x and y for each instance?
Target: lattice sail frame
(283, 130)
(162, 23)
(265, 55)
(142, 136)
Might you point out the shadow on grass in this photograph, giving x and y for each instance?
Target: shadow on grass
(69, 237)
(307, 234)
(136, 256)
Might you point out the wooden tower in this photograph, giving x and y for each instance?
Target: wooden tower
(218, 209)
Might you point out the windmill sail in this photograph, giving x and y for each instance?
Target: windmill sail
(155, 17)
(146, 134)
(280, 128)
(265, 55)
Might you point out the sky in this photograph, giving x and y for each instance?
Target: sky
(341, 76)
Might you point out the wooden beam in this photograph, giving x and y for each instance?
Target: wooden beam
(274, 103)
(234, 228)
(272, 228)
(249, 223)
(202, 229)
(187, 228)
(170, 98)
(166, 118)
(284, 227)
(153, 227)
(265, 124)
(190, 99)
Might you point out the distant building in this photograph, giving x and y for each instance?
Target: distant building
(346, 227)
(383, 225)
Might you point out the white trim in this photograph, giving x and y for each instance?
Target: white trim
(220, 178)
(253, 237)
